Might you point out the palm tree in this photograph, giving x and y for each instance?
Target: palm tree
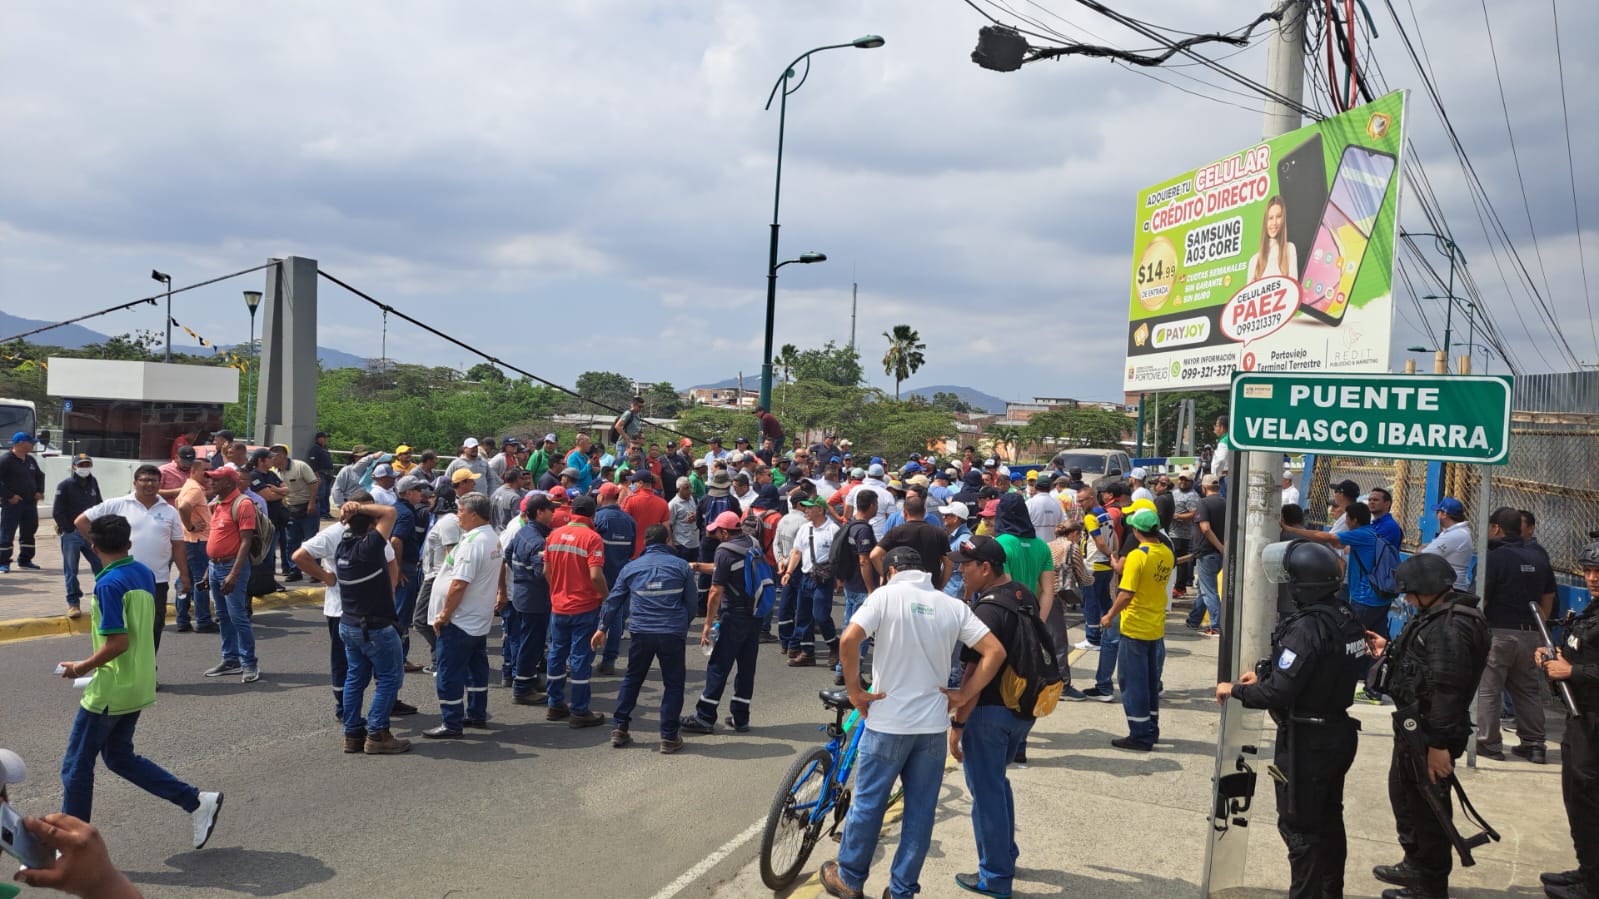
(1006, 436)
(904, 355)
(786, 359)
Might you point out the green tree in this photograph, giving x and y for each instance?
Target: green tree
(705, 422)
(485, 371)
(904, 355)
(1079, 427)
(136, 346)
(950, 402)
(834, 364)
(1207, 405)
(1005, 438)
(605, 387)
(661, 400)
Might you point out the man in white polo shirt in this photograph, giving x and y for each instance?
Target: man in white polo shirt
(906, 716)
(157, 535)
(1454, 541)
(462, 606)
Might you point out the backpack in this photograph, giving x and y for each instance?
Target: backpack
(1029, 682)
(261, 538)
(763, 528)
(758, 585)
(846, 564)
(1384, 559)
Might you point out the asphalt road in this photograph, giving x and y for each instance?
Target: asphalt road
(525, 808)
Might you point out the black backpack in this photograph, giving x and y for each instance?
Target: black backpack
(846, 564)
(1029, 682)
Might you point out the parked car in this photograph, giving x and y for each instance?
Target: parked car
(1095, 463)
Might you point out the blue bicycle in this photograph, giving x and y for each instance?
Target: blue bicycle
(816, 788)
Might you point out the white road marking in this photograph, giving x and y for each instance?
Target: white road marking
(710, 861)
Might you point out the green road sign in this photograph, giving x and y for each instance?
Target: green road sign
(1459, 418)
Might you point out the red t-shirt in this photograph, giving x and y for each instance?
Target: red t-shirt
(569, 554)
(222, 543)
(645, 508)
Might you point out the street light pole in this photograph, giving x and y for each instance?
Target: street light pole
(167, 279)
(1454, 254)
(866, 42)
(252, 299)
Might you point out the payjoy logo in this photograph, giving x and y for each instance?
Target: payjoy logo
(1181, 333)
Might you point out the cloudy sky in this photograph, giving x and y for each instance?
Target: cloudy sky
(587, 185)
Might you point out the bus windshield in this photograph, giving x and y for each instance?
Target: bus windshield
(14, 418)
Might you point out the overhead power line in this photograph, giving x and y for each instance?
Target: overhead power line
(488, 357)
(131, 303)
(1571, 170)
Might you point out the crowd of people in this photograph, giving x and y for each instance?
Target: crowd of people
(943, 567)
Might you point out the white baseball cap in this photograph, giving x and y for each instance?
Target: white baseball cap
(1140, 473)
(957, 509)
(469, 443)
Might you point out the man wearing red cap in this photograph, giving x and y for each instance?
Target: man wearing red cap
(736, 627)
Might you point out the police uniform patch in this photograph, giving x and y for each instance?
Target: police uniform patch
(1287, 659)
(1571, 641)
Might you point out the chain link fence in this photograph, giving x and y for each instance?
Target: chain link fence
(1405, 479)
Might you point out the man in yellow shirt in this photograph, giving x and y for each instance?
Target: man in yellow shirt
(1141, 605)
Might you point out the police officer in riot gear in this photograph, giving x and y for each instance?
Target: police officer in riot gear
(1318, 654)
(1431, 670)
(1578, 665)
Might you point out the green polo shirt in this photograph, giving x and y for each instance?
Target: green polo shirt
(124, 603)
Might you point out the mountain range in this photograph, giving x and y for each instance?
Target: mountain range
(74, 337)
(983, 402)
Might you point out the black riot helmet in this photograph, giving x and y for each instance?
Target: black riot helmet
(1310, 569)
(1589, 556)
(1425, 574)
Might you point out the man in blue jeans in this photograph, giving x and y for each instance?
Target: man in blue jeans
(77, 494)
(915, 628)
(121, 686)
(986, 734)
(856, 554)
(1210, 530)
(194, 514)
(366, 571)
(228, 547)
(663, 594)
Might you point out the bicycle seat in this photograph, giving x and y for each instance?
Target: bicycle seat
(837, 700)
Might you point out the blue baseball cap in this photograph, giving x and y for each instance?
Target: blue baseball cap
(22, 437)
(911, 467)
(1452, 507)
(877, 460)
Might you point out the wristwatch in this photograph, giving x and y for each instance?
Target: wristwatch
(956, 724)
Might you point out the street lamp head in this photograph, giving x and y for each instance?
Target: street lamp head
(160, 276)
(868, 42)
(252, 299)
(808, 258)
(1418, 349)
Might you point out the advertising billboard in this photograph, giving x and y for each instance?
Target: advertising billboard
(1276, 258)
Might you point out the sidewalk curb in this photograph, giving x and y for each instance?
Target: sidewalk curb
(18, 629)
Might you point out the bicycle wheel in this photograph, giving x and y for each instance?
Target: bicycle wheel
(792, 824)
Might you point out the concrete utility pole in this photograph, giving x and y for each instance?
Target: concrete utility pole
(1254, 512)
(285, 411)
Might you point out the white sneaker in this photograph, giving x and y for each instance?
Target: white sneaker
(1084, 644)
(205, 818)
